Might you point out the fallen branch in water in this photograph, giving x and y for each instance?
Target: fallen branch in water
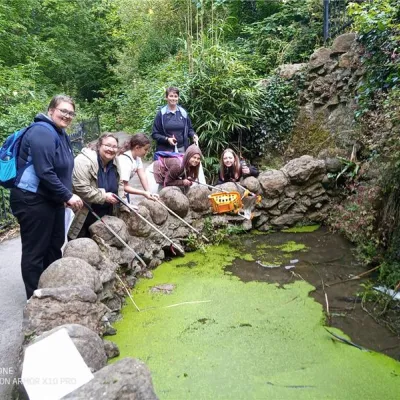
(346, 341)
(353, 278)
(127, 291)
(188, 302)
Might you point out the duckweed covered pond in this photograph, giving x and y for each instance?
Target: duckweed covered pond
(233, 323)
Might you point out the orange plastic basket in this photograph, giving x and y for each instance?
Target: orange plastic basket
(225, 202)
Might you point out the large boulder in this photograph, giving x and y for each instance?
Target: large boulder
(287, 71)
(174, 199)
(198, 198)
(85, 249)
(228, 187)
(252, 184)
(273, 182)
(343, 43)
(158, 213)
(123, 380)
(99, 229)
(136, 225)
(286, 220)
(300, 170)
(319, 58)
(49, 308)
(88, 343)
(70, 272)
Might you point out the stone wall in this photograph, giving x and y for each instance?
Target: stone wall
(331, 79)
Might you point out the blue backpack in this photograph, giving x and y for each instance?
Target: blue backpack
(9, 152)
(168, 154)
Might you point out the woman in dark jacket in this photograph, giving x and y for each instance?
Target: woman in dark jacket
(172, 126)
(232, 169)
(43, 189)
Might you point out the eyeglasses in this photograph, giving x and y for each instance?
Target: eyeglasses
(66, 113)
(115, 148)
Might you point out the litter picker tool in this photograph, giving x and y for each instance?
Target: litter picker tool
(181, 219)
(125, 244)
(211, 187)
(115, 234)
(148, 222)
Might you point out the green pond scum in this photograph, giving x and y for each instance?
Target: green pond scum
(216, 337)
(302, 229)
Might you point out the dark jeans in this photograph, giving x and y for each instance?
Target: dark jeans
(42, 234)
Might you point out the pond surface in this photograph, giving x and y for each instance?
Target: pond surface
(234, 323)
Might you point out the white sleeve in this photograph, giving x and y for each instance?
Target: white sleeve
(126, 167)
(139, 163)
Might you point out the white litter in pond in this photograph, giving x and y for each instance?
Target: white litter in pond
(266, 265)
(390, 292)
(294, 261)
(289, 266)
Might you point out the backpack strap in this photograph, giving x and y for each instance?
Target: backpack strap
(126, 155)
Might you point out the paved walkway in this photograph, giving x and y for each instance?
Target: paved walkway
(12, 300)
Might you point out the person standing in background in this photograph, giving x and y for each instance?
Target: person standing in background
(43, 189)
(172, 127)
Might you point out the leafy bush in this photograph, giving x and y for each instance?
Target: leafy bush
(223, 97)
(356, 218)
(278, 110)
(378, 24)
(287, 36)
(21, 97)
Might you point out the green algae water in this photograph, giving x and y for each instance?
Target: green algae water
(217, 337)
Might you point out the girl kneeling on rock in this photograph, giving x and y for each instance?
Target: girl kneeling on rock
(172, 171)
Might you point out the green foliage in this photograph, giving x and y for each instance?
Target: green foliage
(390, 273)
(349, 171)
(278, 109)
(287, 36)
(75, 44)
(21, 97)
(378, 24)
(6, 218)
(16, 43)
(223, 97)
(356, 218)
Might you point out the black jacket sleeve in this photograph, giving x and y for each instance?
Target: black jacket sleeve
(43, 149)
(158, 133)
